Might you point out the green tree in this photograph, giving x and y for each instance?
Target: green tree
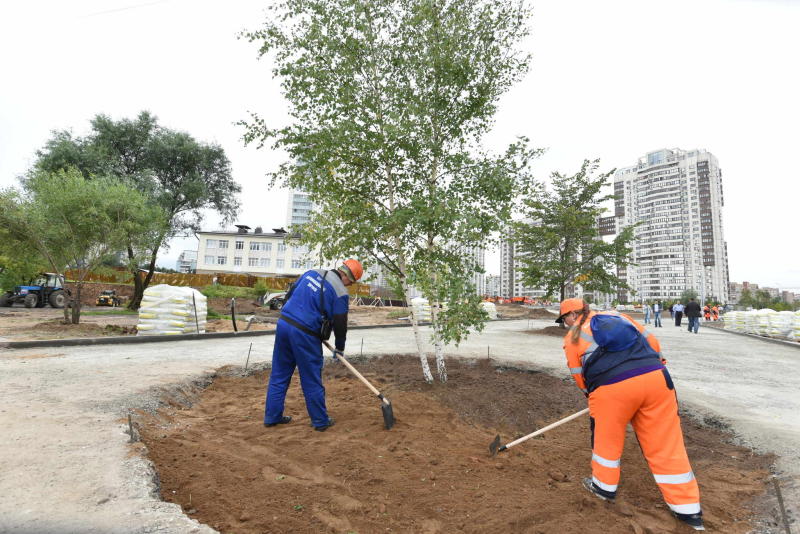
(687, 295)
(178, 174)
(75, 222)
(18, 262)
(389, 101)
(558, 241)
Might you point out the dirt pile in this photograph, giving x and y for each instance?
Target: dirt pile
(518, 311)
(432, 472)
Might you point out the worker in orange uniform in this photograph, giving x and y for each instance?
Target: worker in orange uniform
(618, 366)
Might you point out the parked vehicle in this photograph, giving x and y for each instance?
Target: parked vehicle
(108, 298)
(273, 301)
(47, 288)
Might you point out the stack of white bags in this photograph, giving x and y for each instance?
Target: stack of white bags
(765, 322)
(170, 310)
(490, 309)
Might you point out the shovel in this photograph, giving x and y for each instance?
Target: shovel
(495, 447)
(386, 405)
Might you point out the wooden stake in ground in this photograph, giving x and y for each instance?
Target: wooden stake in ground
(248, 358)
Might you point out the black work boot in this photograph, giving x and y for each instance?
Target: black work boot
(693, 520)
(589, 485)
(323, 428)
(285, 419)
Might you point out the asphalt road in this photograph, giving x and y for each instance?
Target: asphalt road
(67, 464)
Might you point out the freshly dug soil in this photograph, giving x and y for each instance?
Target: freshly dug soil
(556, 331)
(518, 311)
(432, 472)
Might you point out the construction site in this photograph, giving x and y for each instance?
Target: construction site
(168, 436)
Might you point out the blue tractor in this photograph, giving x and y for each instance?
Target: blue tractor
(48, 287)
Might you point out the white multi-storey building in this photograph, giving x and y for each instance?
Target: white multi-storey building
(675, 196)
(299, 209)
(259, 253)
(510, 264)
(187, 262)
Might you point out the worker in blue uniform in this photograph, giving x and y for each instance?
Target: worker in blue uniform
(316, 304)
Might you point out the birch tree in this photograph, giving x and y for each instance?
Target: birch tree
(389, 101)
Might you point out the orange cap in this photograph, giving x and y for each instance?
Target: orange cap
(353, 269)
(569, 305)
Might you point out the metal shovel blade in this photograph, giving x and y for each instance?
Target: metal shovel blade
(494, 445)
(388, 414)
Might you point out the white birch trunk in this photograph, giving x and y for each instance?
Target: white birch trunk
(423, 359)
(441, 369)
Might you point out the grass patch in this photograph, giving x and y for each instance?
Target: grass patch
(123, 311)
(229, 292)
(399, 313)
(211, 314)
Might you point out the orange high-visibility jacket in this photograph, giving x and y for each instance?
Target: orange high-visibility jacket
(578, 351)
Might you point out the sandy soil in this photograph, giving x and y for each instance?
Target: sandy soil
(431, 473)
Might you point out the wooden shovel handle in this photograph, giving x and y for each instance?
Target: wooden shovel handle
(355, 372)
(545, 429)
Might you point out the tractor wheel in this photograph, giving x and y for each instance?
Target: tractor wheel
(30, 300)
(57, 299)
(276, 304)
(5, 300)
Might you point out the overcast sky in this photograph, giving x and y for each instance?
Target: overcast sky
(609, 80)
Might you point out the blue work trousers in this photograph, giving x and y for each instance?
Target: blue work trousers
(694, 324)
(294, 348)
(657, 318)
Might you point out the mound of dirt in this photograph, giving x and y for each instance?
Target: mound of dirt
(518, 311)
(556, 331)
(432, 472)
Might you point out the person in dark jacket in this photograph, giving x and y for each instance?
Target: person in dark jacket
(693, 312)
(316, 298)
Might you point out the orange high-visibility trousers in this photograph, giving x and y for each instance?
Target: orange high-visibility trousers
(649, 403)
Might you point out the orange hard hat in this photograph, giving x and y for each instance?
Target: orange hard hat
(353, 269)
(569, 305)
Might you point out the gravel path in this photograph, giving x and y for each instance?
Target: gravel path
(68, 466)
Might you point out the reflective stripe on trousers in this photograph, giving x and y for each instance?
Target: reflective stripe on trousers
(650, 406)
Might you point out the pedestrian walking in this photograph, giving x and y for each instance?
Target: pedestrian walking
(693, 313)
(677, 310)
(618, 366)
(316, 305)
(647, 311)
(672, 311)
(657, 314)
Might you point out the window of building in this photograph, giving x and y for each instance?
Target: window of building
(252, 262)
(237, 260)
(263, 262)
(211, 243)
(221, 260)
(281, 248)
(296, 264)
(208, 260)
(239, 245)
(279, 263)
(223, 243)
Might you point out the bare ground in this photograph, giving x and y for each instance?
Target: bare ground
(432, 472)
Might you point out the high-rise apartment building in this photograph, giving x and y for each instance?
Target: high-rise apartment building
(299, 209)
(187, 262)
(511, 284)
(676, 198)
